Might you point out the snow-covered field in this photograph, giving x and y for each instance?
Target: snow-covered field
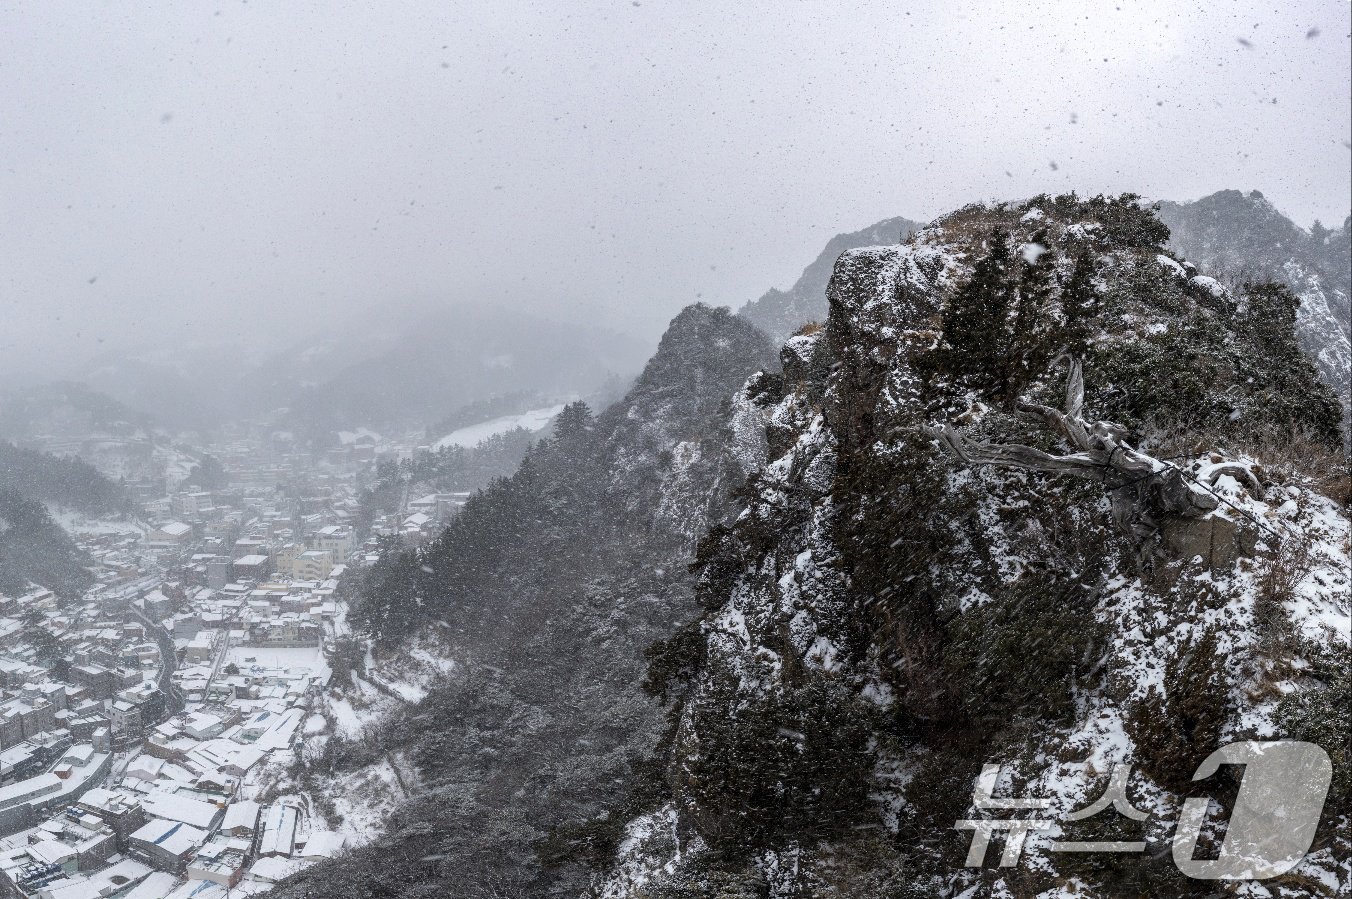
(473, 435)
(271, 657)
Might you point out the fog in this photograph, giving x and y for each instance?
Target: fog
(259, 173)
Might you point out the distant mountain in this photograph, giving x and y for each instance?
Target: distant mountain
(66, 409)
(394, 371)
(1241, 237)
(780, 313)
(192, 387)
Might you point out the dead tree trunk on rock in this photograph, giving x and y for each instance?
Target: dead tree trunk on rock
(1144, 490)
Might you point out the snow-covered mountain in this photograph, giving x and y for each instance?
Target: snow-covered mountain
(1235, 237)
(545, 592)
(1036, 493)
(904, 600)
(1239, 237)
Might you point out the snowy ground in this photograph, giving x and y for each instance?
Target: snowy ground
(311, 657)
(357, 708)
(339, 627)
(78, 523)
(473, 435)
(363, 800)
(357, 804)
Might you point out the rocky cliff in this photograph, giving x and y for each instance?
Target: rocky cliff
(780, 313)
(942, 567)
(1233, 236)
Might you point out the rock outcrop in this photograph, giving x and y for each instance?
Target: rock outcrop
(780, 313)
(883, 621)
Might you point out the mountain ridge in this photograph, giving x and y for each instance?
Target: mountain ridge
(886, 616)
(550, 585)
(1232, 235)
(850, 645)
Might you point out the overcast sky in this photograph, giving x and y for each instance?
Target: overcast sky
(187, 171)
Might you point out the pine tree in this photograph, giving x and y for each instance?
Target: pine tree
(1029, 345)
(575, 420)
(1267, 320)
(975, 320)
(1079, 300)
(389, 606)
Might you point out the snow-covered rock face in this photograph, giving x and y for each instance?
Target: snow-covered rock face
(780, 313)
(882, 623)
(1233, 236)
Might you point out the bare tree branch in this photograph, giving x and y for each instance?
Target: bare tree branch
(1143, 488)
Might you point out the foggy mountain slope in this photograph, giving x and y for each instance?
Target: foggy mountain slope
(33, 546)
(35, 550)
(1237, 236)
(459, 356)
(883, 618)
(780, 313)
(183, 387)
(545, 592)
(393, 369)
(67, 482)
(64, 408)
(197, 385)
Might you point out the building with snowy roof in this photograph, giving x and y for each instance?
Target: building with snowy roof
(279, 829)
(166, 845)
(178, 807)
(241, 819)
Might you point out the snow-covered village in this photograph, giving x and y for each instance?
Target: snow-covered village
(150, 727)
(626, 449)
